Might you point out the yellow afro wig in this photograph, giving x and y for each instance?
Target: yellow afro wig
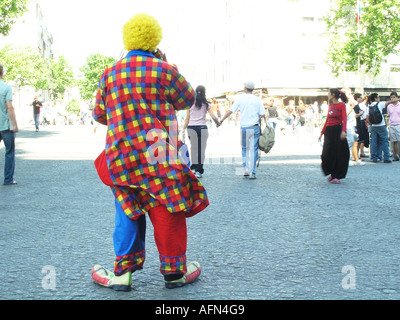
(142, 32)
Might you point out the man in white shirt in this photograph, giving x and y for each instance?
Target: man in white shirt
(251, 111)
(379, 132)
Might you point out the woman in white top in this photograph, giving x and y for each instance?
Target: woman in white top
(196, 125)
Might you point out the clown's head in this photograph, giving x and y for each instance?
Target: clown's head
(142, 32)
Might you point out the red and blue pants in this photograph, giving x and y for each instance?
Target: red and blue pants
(170, 235)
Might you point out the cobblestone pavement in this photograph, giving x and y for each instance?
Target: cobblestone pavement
(289, 234)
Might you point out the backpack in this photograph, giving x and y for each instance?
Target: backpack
(267, 139)
(375, 115)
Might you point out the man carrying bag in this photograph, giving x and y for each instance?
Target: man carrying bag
(251, 111)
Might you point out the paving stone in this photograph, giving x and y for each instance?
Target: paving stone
(287, 235)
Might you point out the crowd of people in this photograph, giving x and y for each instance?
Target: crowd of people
(345, 109)
(351, 126)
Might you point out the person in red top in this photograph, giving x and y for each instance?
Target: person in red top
(335, 153)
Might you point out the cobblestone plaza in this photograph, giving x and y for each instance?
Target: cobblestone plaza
(287, 235)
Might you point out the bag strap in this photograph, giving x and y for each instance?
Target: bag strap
(334, 110)
(259, 151)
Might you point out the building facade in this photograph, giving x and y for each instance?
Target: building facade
(280, 45)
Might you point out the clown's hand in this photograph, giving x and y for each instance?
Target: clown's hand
(159, 54)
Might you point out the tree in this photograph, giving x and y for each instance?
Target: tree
(73, 107)
(25, 67)
(362, 43)
(10, 11)
(61, 77)
(92, 71)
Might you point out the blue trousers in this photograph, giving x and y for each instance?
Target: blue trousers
(36, 117)
(129, 235)
(250, 137)
(9, 164)
(379, 143)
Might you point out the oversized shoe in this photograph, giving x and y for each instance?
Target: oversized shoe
(193, 272)
(106, 278)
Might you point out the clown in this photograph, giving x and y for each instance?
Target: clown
(137, 98)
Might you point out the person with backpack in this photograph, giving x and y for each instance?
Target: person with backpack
(379, 132)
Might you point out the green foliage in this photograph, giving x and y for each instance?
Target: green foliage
(10, 11)
(25, 66)
(73, 106)
(376, 36)
(61, 77)
(92, 71)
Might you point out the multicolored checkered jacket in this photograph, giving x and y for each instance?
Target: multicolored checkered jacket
(137, 98)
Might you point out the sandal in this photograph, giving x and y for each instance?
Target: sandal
(335, 181)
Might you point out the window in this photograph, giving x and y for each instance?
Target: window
(308, 66)
(308, 27)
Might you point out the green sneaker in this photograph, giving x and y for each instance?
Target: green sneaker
(107, 279)
(193, 272)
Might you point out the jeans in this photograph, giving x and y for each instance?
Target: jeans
(9, 164)
(272, 122)
(379, 143)
(36, 117)
(250, 137)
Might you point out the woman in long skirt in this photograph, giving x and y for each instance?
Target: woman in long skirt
(335, 153)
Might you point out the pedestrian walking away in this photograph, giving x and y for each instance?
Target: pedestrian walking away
(137, 99)
(251, 112)
(379, 133)
(196, 125)
(8, 129)
(37, 105)
(394, 123)
(335, 152)
(272, 114)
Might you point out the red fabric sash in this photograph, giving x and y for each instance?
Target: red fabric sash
(102, 169)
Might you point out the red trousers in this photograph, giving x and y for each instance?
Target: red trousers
(170, 235)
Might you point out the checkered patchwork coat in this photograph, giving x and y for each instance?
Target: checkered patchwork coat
(137, 98)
